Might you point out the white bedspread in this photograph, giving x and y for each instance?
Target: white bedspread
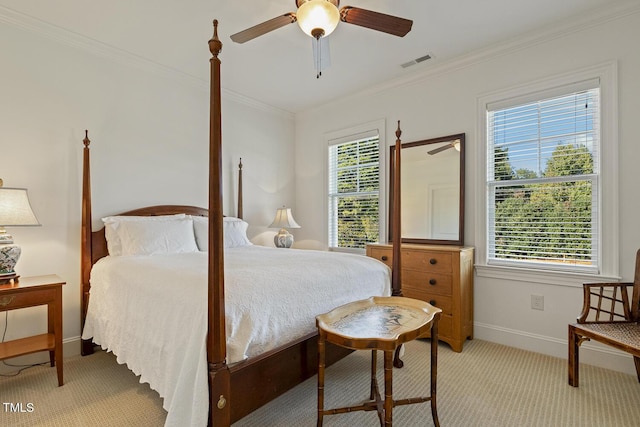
(151, 311)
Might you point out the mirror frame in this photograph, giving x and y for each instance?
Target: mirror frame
(409, 239)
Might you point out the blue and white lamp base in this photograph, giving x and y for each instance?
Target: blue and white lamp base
(9, 255)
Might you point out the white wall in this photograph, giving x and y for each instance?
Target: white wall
(444, 102)
(149, 131)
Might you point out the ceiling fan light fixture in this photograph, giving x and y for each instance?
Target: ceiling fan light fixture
(318, 18)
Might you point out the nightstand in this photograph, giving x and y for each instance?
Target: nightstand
(30, 292)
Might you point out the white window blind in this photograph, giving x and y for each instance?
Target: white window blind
(354, 187)
(543, 190)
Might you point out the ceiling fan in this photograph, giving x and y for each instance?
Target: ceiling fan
(318, 19)
(451, 144)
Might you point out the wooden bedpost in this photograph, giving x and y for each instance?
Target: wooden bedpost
(219, 376)
(396, 273)
(85, 247)
(240, 213)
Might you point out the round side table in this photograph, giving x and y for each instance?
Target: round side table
(378, 323)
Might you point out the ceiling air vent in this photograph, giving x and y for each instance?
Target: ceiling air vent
(416, 61)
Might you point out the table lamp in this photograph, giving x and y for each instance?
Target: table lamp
(283, 220)
(15, 211)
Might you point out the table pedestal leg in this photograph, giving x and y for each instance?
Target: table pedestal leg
(374, 381)
(434, 370)
(388, 388)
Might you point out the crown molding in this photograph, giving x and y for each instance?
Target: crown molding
(78, 41)
(539, 36)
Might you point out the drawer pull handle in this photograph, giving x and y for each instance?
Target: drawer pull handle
(433, 261)
(432, 302)
(5, 301)
(384, 258)
(432, 282)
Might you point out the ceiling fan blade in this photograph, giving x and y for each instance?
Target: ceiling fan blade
(264, 28)
(439, 149)
(376, 21)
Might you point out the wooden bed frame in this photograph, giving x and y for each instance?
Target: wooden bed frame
(236, 390)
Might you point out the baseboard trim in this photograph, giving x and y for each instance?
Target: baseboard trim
(71, 346)
(591, 353)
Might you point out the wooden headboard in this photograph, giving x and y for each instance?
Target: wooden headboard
(99, 242)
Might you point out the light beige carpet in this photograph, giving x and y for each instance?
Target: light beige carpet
(485, 385)
(97, 392)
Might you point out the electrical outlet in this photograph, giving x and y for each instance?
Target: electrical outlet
(537, 302)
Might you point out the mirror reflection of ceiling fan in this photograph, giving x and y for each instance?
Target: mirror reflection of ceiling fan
(318, 19)
(451, 144)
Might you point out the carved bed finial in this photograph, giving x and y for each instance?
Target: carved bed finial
(215, 45)
(86, 140)
(398, 131)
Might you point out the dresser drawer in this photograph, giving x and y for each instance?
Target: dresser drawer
(444, 303)
(384, 255)
(427, 261)
(11, 301)
(440, 262)
(427, 282)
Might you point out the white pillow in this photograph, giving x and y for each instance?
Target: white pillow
(201, 229)
(234, 232)
(112, 223)
(157, 237)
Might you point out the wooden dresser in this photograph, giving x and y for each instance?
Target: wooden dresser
(441, 275)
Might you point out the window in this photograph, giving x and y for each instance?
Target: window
(543, 172)
(354, 191)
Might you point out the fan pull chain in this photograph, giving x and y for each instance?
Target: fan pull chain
(318, 58)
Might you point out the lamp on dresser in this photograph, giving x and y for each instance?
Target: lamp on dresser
(15, 211)
(283, 220)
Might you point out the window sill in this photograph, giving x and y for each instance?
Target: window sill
(558, 278)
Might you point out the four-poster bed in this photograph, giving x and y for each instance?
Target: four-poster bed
(236, 388)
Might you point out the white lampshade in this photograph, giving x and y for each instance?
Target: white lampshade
(15, 209)
(283, 220)
(318, 18)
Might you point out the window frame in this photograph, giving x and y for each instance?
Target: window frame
(607, 241)
(352, 134)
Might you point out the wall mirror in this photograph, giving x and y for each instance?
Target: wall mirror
(431, 190)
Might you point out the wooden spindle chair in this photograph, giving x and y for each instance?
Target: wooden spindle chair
(608, 316)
